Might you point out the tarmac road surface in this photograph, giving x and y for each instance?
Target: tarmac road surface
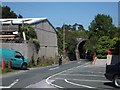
(75, 74)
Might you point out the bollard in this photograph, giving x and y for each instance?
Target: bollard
(94, 56)
(3, 63)
(9, 64)
(109, 51)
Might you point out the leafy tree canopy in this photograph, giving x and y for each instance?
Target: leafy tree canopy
(102, 34)
(8, 13)
(103, 44)
(101, 25)
(72, 32)
(29, 31)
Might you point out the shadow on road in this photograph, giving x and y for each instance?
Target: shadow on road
(109, 84)
(14, 68)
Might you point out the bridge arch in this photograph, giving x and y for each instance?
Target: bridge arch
(79, 48)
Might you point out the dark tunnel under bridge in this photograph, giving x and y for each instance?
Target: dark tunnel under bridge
(79, 52)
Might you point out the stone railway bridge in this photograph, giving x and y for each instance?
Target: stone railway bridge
(78, 50)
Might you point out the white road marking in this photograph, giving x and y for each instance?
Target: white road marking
(41, 84)
(47, 80)
(79, 62)
(89, 72)
(10, 84)
(14, 83)
(54, 68)
(82, 75)
(86, 66)
(82, 59)
(91, 80)
(78, 84)
(50, 83)
(81, 65)
(83, 80)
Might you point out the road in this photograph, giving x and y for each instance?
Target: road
(75, 74)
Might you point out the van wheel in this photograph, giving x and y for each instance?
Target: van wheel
(24, 66)
(116, 81)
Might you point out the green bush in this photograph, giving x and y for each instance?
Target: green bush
(37, 44)
(100, 56)
(103, 44)
(32, 62)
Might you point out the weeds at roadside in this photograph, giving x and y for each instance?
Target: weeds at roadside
(41, 62)
(5, 70)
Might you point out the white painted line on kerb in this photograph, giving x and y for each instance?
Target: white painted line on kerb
(1, 87)
(78, 84)
(54, 68)
(47, 80)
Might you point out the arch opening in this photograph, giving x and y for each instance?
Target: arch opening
(81, 50)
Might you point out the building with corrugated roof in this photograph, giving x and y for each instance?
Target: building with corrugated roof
(45, 32)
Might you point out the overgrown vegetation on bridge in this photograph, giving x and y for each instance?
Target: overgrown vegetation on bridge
(101, 35)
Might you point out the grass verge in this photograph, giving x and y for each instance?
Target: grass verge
(6, 70)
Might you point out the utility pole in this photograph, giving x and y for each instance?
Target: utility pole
(24, 36)
(64, 42)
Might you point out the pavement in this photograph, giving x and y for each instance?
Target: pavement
(100, 62)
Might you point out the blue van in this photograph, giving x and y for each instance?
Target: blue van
(16, 58)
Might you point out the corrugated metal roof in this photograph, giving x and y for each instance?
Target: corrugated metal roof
(21, 20)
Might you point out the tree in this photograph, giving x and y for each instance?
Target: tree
(29, 32)
(59, 32)
(71, 41)
(103, 44)
(81, 28)
(71, 35)
(115, 32)
(78, 27)
(101, 25)
(91, 43)
(0, 11)
(8, 13)
(20, 16)
(100, 33)
(30, 35)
